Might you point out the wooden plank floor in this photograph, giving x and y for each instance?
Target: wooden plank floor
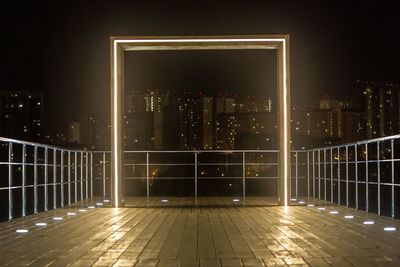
(201, 236)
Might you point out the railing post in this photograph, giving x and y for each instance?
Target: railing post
(338, 174)
(62, 177)
(23, 180)
(104, 175)
(91, 174)
(81, 174)
(10, 181)
(46, 178)
(308, 175)
(356, 172)
(195, 174)
(392, 152)
(69, 177)
(347, 176)
(313, 173)
(378, 159)
(244, 174)
(147, 175)
(87, 174)
(325, 174)
(76, 176)
(331, 175)
(296, 173)
(35, 172)
(54, 178)
(319, 174)
(366, 178)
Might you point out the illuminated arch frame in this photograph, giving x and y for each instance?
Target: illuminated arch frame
(120, 44)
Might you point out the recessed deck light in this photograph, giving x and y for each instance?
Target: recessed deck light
(58, 218)
(368, 222)
(334, 212)
(236, 200)
(164, 200)
(390, 229)
(22, 231)
(321, 208)
(349, 217)
(41, 224)
(310, 205)
(91, 207)
(81, 210)
(71, 213)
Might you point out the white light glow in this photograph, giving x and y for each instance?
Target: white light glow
(71, 213)
(321, 208)
(389, 229)
(116, 151)
(58, 218)
(334, 212)
(82, 210)
(91, 207)
(293, 199)
(301, 202)
(349, 217)
(164, 200)
(368, 222)
(41, 224)
(22, 231)
(106, 201)
(236, 200)
(310, 205)
(99, 204)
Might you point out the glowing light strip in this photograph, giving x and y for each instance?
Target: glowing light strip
(116, 152)
(227, 40)
(285, 144)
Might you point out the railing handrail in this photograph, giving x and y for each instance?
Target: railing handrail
(29, 143)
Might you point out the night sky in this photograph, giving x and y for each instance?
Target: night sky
(63, 49)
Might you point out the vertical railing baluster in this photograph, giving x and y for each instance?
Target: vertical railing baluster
(308, 175)
(319, 174)
(244, 174)
(325, 174)
(76, 176)
(91, 174)
(195, 174)
(23, 180)
(378, 161)
(10, 181)
(69, 177)
(104, 174)
(147, 175)
(392, 154)
(81, 174)
(313, 173)
(347, 176)
(35, 176)
(338, 174)
(356, 172)
(46, 179)
(87, 174)
(62, 177)
(366, 178)
(296, 173)
(54, 178)
(331, 175)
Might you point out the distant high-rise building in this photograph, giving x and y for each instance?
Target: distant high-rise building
(380, 103)
(74, 133)
(207, 122)
(21, 115)
(252, 104)
(327, 102)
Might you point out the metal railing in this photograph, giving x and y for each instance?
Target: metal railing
(363, 175)
(37, 177)
(146, 169)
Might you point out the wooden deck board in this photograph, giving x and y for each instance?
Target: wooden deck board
(210, 235)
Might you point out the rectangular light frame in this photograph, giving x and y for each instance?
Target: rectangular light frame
(120, 44)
